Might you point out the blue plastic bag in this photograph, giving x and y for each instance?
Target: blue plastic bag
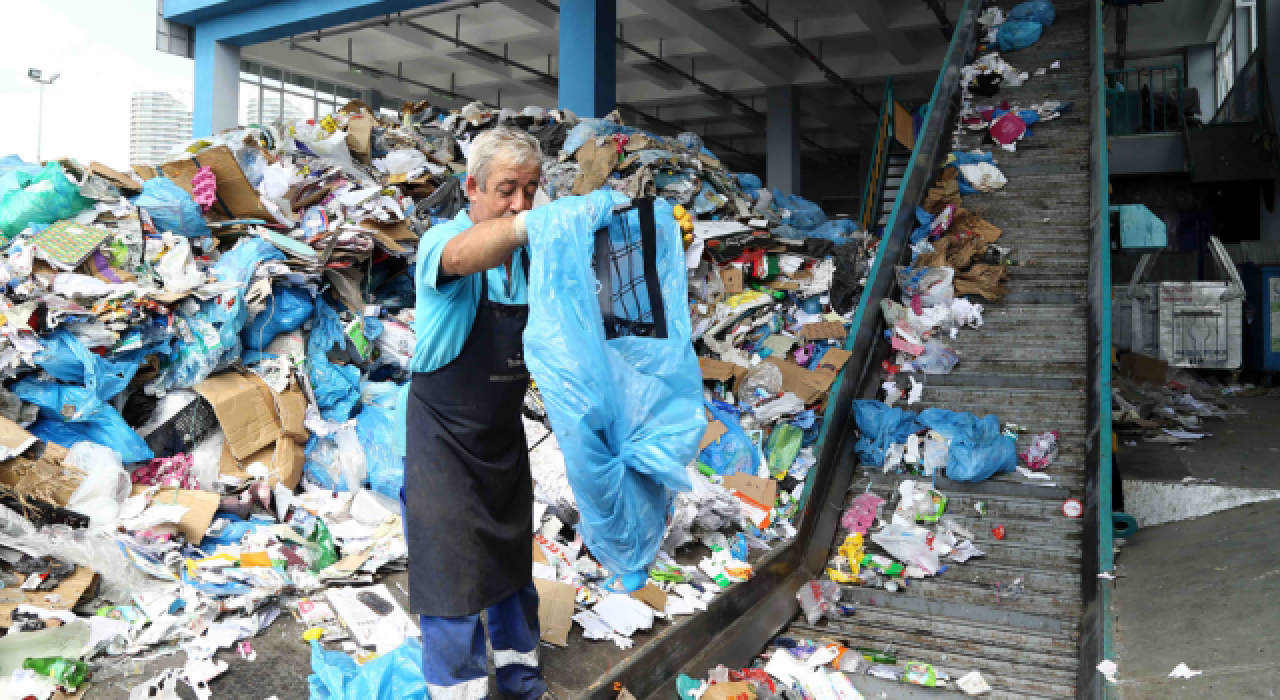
(71, 414)
(749, 182)
(396, 675)
(835, 230)
(925, 220)
(591, 128)
(42, 198)
(978, 449)
(287, 309)
(626, 411)
(171, 208)
(1038, 11)
(734, 452)
(336, 388)
(376, 428)
(804, 215)
(1014, 35)
(881, 426)
(66, 359)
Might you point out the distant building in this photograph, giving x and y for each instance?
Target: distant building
(157, 121)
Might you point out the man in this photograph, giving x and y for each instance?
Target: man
(468, 490)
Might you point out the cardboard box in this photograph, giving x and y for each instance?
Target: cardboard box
(291, 407)
(720, 371)
(652, 596)
(237, 199)
(823, 330)
(124, 183)
(762, 491)
(555, 610)
(81, 584)
(737, 690)
(732, 279)
(810, 385)
(14, 439)
(1144, 369)
(360, 136)
(201, 507)
(284, 460)
(246, 410)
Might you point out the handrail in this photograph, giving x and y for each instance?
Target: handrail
(1249, 83)
(1097, 637)
(873, 192)
(1128, 114)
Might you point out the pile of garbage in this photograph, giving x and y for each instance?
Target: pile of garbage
(1181, 411)
(202, 363)
(1020, 28)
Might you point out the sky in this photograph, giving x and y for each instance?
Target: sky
(104, 50)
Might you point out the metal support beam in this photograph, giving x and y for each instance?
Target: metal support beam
(782, 149)
(217, 86)
(588, 70)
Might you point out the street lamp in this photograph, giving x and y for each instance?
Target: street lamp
(37, 75)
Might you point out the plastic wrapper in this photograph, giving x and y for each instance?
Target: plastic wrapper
(404, 161)
(937, 358)
(627, 411)
(66, 359)
(765, 376)
(393, 676)
(1014, 35)
(171, 209)
(105, 485)
(934, 285)
(99, 550)
(783, 446)
(776, 407)
(1043, 450)
(287, 309)
(90, 419)
(978, 449)
(38, 199)
(733, 452)
(861, 514)
(908, 544)
(816, 599)
(1038, 11)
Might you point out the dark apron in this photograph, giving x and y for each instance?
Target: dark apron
(468, 490)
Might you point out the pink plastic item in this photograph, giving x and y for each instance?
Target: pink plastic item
(172, 471)
(204, 188)
(1007, 129)
(861, 513)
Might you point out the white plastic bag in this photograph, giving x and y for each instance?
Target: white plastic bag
(351, 463)
(106, 484)
(404, 161)
(909, 545)
(936, 287)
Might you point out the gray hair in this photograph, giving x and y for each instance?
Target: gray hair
(516, 146)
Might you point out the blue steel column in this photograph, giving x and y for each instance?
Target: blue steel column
(588, 74)
(782, 141)
(217, 87)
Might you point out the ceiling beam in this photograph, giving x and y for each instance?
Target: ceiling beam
(532, 13)
(686, 22)
(876, 16)
(279, 54)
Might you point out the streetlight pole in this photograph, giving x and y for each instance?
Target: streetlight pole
(37, 75)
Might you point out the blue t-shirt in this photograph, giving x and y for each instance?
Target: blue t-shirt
(446, 306)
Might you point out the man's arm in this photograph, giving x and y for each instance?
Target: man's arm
(485, 245)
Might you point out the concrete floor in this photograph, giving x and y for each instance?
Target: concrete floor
(1206, 591)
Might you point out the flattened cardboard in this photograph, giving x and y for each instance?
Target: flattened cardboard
(246, 410)
(830, 366)
(719, 370)
(73, 588)
(763, 491)
(201, 507)
(736, 690)
(360, 136)
(823, 330)
(1144, 369)
(555, 610)
(237, 199)
(652, 596)
(14, 440)
(713, 432)
(284, 460)
(291, 406)
(124, 183)
(732, 279)
(539, 557)
(804, 384)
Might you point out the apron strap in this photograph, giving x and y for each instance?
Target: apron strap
(604, 277)
(605, 260)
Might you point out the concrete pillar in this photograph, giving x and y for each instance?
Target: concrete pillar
(217, 87)
(782, 141)
(373, 98)
(588, 72)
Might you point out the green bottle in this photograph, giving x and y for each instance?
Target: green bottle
(68, 673)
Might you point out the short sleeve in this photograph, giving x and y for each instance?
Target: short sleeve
(430, 251)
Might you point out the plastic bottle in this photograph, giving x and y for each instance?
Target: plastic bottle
(883, 564)
(815, 599)
(68, 673)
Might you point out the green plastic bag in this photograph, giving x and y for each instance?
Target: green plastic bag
(783, 446)
(323, 541)
(40, 199)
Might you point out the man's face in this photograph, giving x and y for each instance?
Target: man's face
(508, 192)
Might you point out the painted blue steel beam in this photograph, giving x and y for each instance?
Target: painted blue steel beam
(588, 70)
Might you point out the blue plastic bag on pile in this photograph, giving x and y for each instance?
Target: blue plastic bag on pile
(627, 411)
(1038, 11)
(66, 359)
(396, 675)
(1014, 35)
(925, 220)
(749, 182)
(71, 414)
(10, 168)
(835, 230)
(171, 208)
(211, 340)
(336, 388)
(42, 198)
(881, 426)
(286, 310)
(734, 452)
(805, 215)
(966, 158)
(376, 427)
(978, 449)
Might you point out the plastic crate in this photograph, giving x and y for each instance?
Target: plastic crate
(184, 429)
